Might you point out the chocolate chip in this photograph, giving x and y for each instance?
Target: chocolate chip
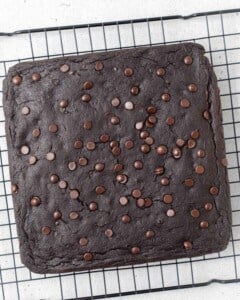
(99, 66)
(161, 150)
(87, 85)
(115, 102)
(57, 215)
(208, 206)
(25, 110)
(100, 190)
(54, 178)
(104, 138)
(73, 215)
(145, 148)
(148, 202)
(116, 151)
(214, 190)
(136, 193)
(201, 153)
(187, 245)
(204, 224)
(129, 144)
(188, 60)
(170, 213)
(93, 206)
(170, 120)
(176, 152)
(195, 134)
(149, 140)
(91, 146)
(64, 68)
(160, 72)
(139, 125)
(14, 188)
(191, 143)
(151, 109)
(88, 256)
(192, 88)
(118, 167)
(36, 77)
(123, 200)
(108, 233)
(50, 156)
(87, 125)
(62, 184)
(72, 166)
(32, 160)
(195, 213)
(180, 142)
(129, 105)
(53, 128)
(144, 134)
(135, 250)
(128, 72)
(189, 182)
(86, 97)
(199, 169)
(46, 230)
(74, 194)
(78, 144)
(63, 103)
(167, 198)
(152, 119)
(25, 150)
(36, 132)
(159, 170)
(115, 120)
(83, 241)
(135, 90)
(206, 115)
(83, 161)
(35, 201)
(164, 181)
(126, 219)
(17, 79)
(148, 124)
(185, 103)
(165, 97)
(138, 165)
(122, 178)
(140, 202)
(149, 234)
(99, 167)
(114, 144)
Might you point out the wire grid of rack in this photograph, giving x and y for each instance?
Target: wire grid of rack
(219, 33)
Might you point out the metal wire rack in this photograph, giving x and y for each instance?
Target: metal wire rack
(219, 33)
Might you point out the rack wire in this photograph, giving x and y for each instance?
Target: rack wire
(219, 33)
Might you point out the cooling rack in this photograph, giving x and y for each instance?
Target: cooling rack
(219, 33)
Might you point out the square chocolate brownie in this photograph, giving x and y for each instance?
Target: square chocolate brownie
(117, 158)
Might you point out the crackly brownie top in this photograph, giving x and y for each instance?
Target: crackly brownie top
(113, 156)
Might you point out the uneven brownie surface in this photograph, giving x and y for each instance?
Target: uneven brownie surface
(117, 158)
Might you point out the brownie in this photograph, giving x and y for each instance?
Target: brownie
(117, 158)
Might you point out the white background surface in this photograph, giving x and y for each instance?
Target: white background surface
(19, 14)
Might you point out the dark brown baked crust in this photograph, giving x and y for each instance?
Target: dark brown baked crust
(59, 233)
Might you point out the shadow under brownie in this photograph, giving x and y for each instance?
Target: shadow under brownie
(117, 158)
